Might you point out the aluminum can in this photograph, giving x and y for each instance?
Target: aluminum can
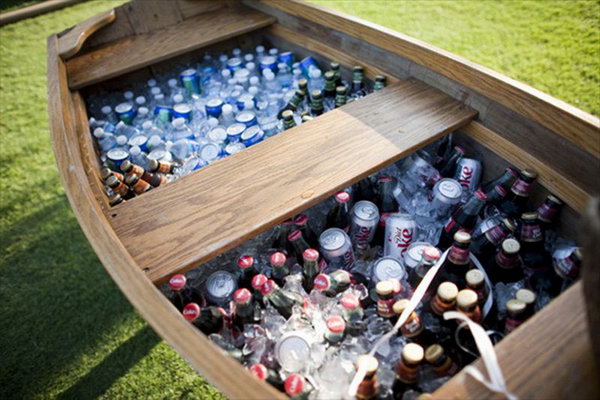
(286, 57)
(210, 152)
(413, 254)
(164, 113)
(190, 81)
(387, 268)
(247, 118)
(363, 223)
(214, 107)
(446, 193)
(305, 64)
(234, 132)
(240, 103)
(336, 248)
(234, 64)
(468, 174)
(268, 62)
(400, 232)
(219, 287)
(139, 140)
(233, 148)
(217, 135)
(182, 111)
(125, 112)
(292, 350)
(252, 135)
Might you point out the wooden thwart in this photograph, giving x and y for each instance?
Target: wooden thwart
(173, 228)
(134, 52)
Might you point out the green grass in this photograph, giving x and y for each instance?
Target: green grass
(65, 329)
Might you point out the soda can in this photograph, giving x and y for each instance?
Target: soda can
(248, 118)
(234, 64)
(234, 132)
(252, 135)
(387, 268)
(217, 135)
(268, 62)
(413, 254)
(287, 58)
(125, 112)
(305, 64)
(164, 113)
(365, 218)
(293, 349)
(139, 140)
(468, 173)
(336, 248)
(219, 287)
(182, 111)
(400, 231)
(233, 148)
(210, 152)
(214, 107)
(115, 158)
(240, 103)
(446, 193)
(190, 81)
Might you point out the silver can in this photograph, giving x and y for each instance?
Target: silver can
(336, 248)
(446, 193)
(292, 351)
(400, 232)
(219, 287)
(387, 268)
(413, 254)
(468, 174)
(365, 218)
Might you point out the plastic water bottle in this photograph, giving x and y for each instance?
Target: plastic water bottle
(316, 80)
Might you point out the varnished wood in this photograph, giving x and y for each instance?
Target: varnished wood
(148, 16)
(33, 10)
(138, 51)
(273, 180)
(573, 124)
(590, 275)
(70, 43)
(224, 372)
(571, 194)
(548, 357)
(190, 8)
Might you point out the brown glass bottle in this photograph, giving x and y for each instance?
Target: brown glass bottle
(516, 202)
(458, 261)
(407, 369)
(506, 266)
(368, 389)
(442, 364)
(466, 303)
(515, 315)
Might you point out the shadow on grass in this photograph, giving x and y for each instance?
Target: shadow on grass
(57, 302)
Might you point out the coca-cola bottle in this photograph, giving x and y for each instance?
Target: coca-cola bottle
(333, 283)
(369, 388)
(506, 266)
(207, 319)
(245, 310)
(463, 219)
(458, 261)
(297, 387)
(386, 203)
(283, 301)
(261, 372)
(429, 257)
(257, 283)
(486, 244)
(364, 191)
(298, 244)
(448, 167)
(516, 201)
(443, 365)
(338, 216)
(301, 221)
(246, 271)
(407, 369)
(336, 326)
(548, 211)
(505, 180)
(182, 293)
(278, 240)
(353, 313)
(279, 268)
(310, 268)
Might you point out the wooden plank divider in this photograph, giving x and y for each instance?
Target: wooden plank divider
(174, 228)
(138, 51)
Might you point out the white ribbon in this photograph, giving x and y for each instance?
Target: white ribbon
(496, 382)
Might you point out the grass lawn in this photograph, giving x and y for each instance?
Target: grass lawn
(66, 330)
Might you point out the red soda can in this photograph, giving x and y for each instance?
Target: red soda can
(400, 232)
(363, 223)
(468, 173)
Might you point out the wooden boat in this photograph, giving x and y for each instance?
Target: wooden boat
(431, 92)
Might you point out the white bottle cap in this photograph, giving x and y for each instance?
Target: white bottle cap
(236, 52)
(248, 105)
(98, 132)
(147, 125)
(315, 73)
(253, 90)
(250, 66)
(274, 51)
(140, 100)
(254, 80)
(159, 97)
(226, 73)
(151, 82)
(172, 82)
(128, 95)
(178, 98)
(213, 122)
(106, 110)
(135, 150)
(260, 49)
(227, 109)
(223, 58)
(249, 57)
(178, 122)
(155, 90)
(143, 111)
(121, 140)
(154, 140)
(231, 81)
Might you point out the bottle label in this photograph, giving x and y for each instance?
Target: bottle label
(439, 307)
(505, 261)
(511, 324)
(566, 267)
(450, 225)
(531, 233)
(495, 235)
(546, 213)
(412, 327)
(385, 307)
(521, 187)
(459, 256)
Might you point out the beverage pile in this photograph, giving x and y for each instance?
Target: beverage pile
(224, 104)
(302, 304)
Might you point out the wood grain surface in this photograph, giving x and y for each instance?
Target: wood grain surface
(564, 119)
(134, 52)
(175, 227)
(209, 360)
(71, 42)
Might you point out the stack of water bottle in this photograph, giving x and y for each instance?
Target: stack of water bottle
(302, 304)
(225, 104)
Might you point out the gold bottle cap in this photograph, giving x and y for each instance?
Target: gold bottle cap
(515, 306)
(526, 296)
(474, 277)
(447, 291)
(287, 114)
(384, 288)
(340, 90)
(112, 181)
(126, 165)
(334, 65)
(380, 78)
(105, 173)
(462, 237)
(433, 353)
(555, 199)
(510, 224)
(400, 305)
(153, 165)
(412, 353)
(316, 93)
(529, 215)
(529, 173)
(511, 246)
(131, 179)
(368, 363)
(466, 298)
(329, 75)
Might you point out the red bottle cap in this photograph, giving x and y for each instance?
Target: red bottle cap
(242, 295)
(310, 255)
(177, 282)
(349, 301)
(480, 195)
(294, 235)
(287, 222)
(336, 324)
(300, 220)
(322, 282)
(277, 259)
(342, 197)
(191, 311)
(268, 287)
(258, 281)
(259, 371)
(294, 384)
(460, 149)
(245, 261)
(384, 178)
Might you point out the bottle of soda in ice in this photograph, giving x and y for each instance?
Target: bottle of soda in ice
(182, 293)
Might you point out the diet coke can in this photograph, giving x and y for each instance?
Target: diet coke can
(446, 194)
(336, 248)
(365, 217)
(468, 174)
(400, 232)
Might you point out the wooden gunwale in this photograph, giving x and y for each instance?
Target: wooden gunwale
(514, 353)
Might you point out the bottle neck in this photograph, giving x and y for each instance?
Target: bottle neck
(459, 254)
